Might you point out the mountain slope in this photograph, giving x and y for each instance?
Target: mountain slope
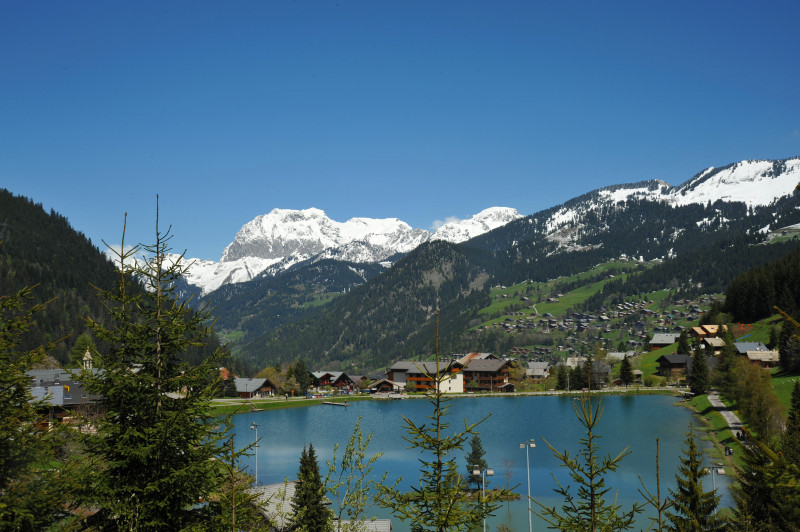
(42, 249)
(646, 221)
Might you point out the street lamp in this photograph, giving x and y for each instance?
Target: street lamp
(254, 426)
(488, 472)
(526, 446)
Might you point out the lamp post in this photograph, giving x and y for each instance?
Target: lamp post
(528, 445)
(254, 426)
(488, 472)
(714, 484)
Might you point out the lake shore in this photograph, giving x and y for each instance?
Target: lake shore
(235, 405)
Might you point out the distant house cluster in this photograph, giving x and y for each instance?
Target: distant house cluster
(478, 372)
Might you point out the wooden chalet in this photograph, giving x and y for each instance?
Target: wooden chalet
(765, 359)
(673, 366)
(385, 386)
(660, 340)
(486, 375)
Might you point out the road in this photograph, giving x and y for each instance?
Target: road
(732, 419)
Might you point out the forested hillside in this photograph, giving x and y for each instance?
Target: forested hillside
(41, 249)
(754, 294)
(391, 314)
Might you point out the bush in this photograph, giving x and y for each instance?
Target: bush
(653, 380)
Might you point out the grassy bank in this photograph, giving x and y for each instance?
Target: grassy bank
(715, 430)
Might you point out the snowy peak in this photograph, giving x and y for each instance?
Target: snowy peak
(755, 183)
(462, 230)
(285, 232)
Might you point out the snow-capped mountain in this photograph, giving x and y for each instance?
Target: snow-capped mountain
(754, 183)
(462, 230)
(276, 241)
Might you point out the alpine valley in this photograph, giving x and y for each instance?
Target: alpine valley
(361, 294)
(364, 293)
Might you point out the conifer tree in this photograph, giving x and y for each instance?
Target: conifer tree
(475, 457)
(626, 371)
(699, 378)
(767, 491)
(683, 344)
(309, 513)
(156, 453)
(561, 377)
(588, 510)
(26, 488)
(439, 503)
(693, 509)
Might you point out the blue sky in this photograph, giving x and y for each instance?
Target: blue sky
(412, 110)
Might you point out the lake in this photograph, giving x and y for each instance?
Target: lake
(628, 421)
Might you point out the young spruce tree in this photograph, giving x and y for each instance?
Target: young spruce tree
(693, 509)
(588, 510)
(439, 503)
(156, 454)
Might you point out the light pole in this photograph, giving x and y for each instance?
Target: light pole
(254, 426)
(488, 472)
(713, 484)
(528, 445)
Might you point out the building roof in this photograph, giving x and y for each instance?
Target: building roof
(58, 388)
(538, 365)
(250, 385)
(490, 365)
(664, 338)
(763, 356)
(675, 359)
(402, 365)
(619, 355)
(573, 362)
(744, 347)
(715, 342)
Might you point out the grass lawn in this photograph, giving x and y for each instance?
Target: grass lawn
(234, 406)
(783, 386)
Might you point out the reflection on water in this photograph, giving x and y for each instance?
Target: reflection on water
(627, 421)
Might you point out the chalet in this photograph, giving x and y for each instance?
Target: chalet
(713, 344)
(61, 392)
(334, 379)
(385, 386)
(673, 366)
(743, 348)
(486, 374)
(419, 376)
(617, 356)
(663, 340)
(538, 371)
(765, 359)
(574, 362)
(708, 330)
(254, 388)
(677, 366)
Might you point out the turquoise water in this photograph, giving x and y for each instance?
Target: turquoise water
(628, 421)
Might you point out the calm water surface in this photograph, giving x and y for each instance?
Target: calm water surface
(627, 421)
